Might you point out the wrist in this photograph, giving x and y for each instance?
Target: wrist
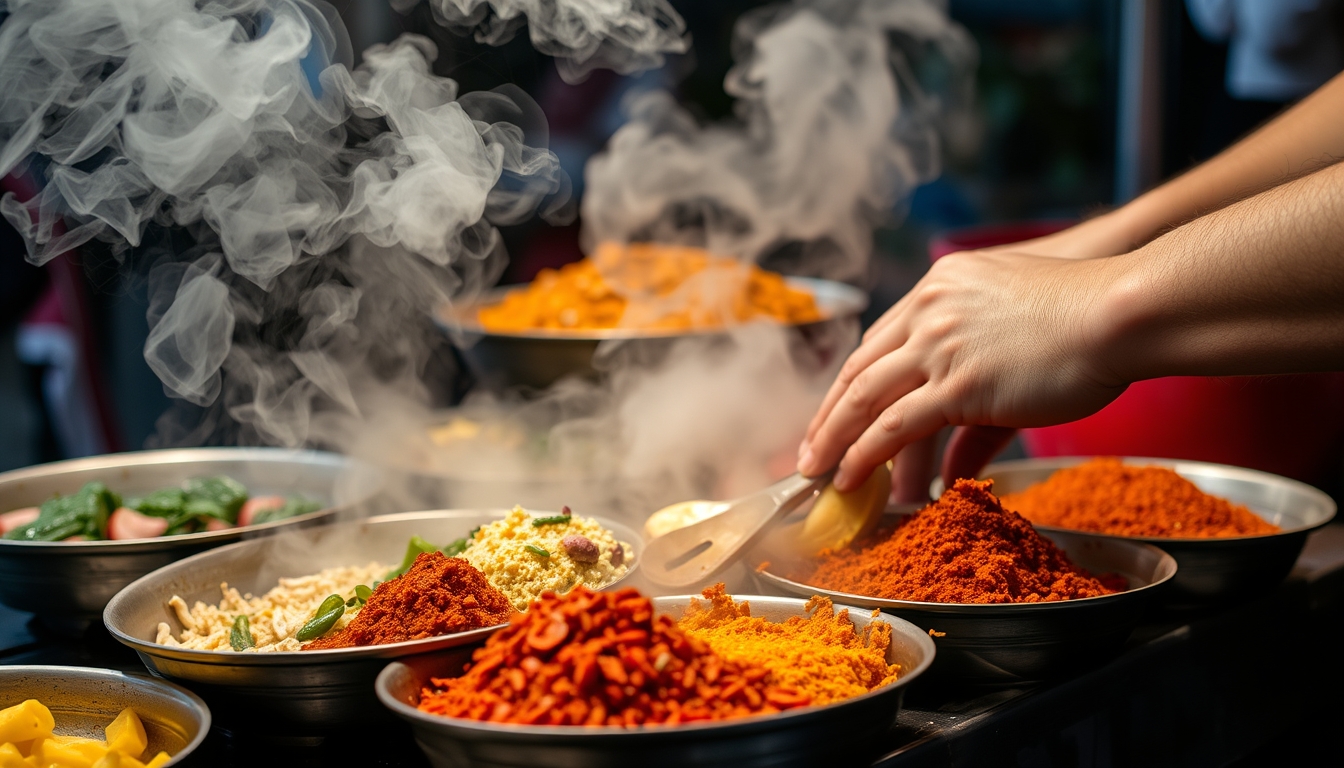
(1124, 312)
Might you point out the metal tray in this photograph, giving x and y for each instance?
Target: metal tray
(1013, 643)
(67, 584)
(1218, 569)
(539, 358)
(298, 692)
(837, 734)
(84, 700)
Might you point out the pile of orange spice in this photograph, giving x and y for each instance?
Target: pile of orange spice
(603, 658)
(1106, 495)
(439, 595)
(963, 548)
(649, 286)
(822, 656)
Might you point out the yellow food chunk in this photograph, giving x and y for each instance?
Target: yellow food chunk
(837, 519)
(159, 760)
(12, 757)
(112, 759)
(126, 734)
(69, 752)
(25, 722)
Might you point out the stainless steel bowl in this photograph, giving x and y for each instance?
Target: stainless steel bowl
(1210, 569)
(838, 734)
(302, 692)
(67, 584)
(540, 358)
(1014, 643)
(84, 700)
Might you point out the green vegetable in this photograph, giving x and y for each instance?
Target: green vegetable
(414, 549)
(223, 495)
(294, 506)
(472, 533)
(168, 502)
(80, 514)
(538, 551)
(537, 522)
(456, 548)
(240, 636)
(328, 613)
(362, 594)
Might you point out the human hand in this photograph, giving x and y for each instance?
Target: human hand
(986, 339)
(1109, 234)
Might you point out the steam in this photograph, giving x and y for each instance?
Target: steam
(840, 106)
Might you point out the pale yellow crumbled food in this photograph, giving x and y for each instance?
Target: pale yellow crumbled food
(274, 616)
(500, 552)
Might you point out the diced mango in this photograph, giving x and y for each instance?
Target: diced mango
(26, 721)
(126, 734)
(159, 760)
(111, 760)
(67, 752)
(11, 757)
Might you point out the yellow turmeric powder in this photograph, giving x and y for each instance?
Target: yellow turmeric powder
(821, 656)
(649, 286)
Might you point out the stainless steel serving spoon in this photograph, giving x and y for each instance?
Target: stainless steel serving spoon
(697, 552)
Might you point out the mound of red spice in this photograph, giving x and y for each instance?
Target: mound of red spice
(438, 596)
(602, 658)
(1106, 495)
(963, 548)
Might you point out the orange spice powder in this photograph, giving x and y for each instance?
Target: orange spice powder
(963, 548)
(1106, 495)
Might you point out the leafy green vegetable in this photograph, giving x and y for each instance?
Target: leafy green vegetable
(294, 506)
(362, 595)
(83, 513)
(456, 548)
(326, 616)
(168, 502)
(240, 635)
(224, 495)
(414, 549)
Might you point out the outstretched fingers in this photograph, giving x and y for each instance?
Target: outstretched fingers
(914, 416)
(860, 360)
(858, 406)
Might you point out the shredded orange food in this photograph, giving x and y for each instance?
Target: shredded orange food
(649, 286)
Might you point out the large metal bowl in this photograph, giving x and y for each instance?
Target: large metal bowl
(300, 692)
(837, 734)
(1210, 569)
(1015, 643)
(540, 358)
(84, 700)
(67, 584)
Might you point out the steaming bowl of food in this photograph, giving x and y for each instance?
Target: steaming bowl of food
(992, 638)
(1212, 568)
(68, 583)
(316, 691)
(837, 733)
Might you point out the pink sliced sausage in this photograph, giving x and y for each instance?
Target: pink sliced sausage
(258, 504)
(126, 523)
(17, 519)
(215, 524)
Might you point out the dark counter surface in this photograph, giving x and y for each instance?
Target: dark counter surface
(1257, 682)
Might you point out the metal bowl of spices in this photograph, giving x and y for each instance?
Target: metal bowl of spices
(297, 693)
(841, 733)
(539, 358)
(1013, 643)
(84, 700)
(67, 583)
(1211, 569)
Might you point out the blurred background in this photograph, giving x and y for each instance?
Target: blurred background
(1080, 105)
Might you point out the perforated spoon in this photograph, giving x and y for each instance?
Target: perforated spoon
(698, 551)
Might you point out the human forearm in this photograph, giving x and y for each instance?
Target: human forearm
(1256, 287)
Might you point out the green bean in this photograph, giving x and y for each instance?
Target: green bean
(328, 613)
(538, 551)
(537, 522)
(240, 637)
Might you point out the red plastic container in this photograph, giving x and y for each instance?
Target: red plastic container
(1288, 425)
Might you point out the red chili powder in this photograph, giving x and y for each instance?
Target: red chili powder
(963, 548)
(1108, 496)
(438, 596)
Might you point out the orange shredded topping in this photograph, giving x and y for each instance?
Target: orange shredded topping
(653, 287)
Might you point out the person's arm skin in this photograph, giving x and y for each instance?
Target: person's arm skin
(1303, 139)
(1011, 340)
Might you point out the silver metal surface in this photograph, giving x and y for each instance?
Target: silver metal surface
(696, 552)
(299, 692)
(1210, 569)
(84, 700)
(67, 584)
(836, 734)
(541, 357)
(1013, 643)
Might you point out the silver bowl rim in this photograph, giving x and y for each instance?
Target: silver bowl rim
(326, 655)
(836, 299)
(162, 687)
(577, 731)
(1166, 563)
(1207, 467)
(112, 461)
